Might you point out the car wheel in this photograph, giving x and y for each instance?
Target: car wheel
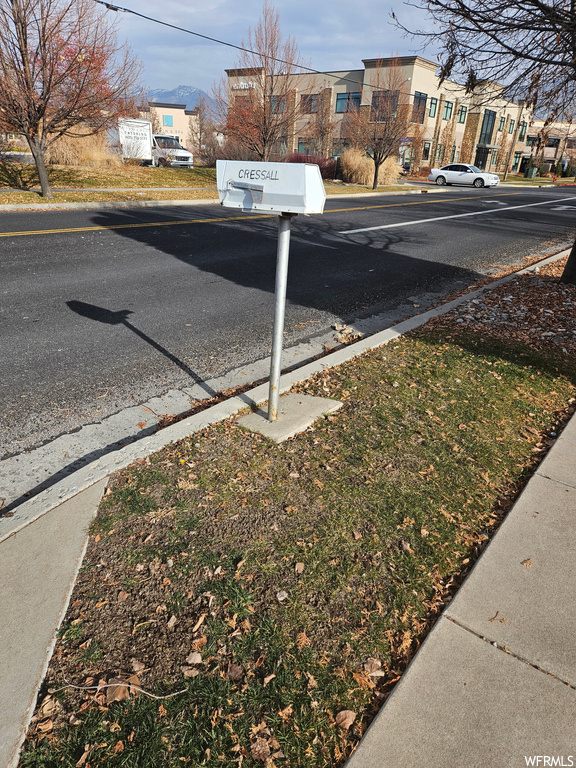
(440, 180)
(162, 162)
(478, 182)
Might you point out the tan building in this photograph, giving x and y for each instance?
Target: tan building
(448, 125)
(551, 144)
(172, 120)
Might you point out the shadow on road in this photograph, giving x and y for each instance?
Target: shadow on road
(120, 317)
(349, 275)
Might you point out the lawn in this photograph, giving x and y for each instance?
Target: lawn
(126, 183)
(247, 603)
(23, 176)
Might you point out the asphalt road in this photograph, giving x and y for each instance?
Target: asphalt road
(104, 309)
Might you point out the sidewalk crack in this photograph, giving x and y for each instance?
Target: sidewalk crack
(506, 650)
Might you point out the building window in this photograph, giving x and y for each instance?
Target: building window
(439, 153)
(339, 146)
(278, 105)
(487, 127)
(448, 107)
(168, 121)
(419, 107)
(517, 158)
(511, 126)
(347, 102)
(533, 141)
(523, 127)
(384, 105)
(426, 151)
(494, 157)
(305, 146)
(502, 124)
(453, 153)
(462, 114)
(309, 103)
(554, 143)
(433, 107)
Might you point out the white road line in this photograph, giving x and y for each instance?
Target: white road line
(454, 216)
(298, 239)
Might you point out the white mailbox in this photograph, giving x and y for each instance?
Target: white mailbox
(272, 187)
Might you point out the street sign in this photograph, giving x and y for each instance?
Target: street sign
(286, 189)
(271, 187)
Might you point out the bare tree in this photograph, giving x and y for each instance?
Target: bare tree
(527, 47)
(262, 115)
(202, 132)
(416, 148)
(320, 126)
(376, 128)
(62, 72)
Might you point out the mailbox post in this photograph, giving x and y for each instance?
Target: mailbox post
(279, 311)
(286, 189)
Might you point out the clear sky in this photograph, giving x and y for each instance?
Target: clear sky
(331, 35)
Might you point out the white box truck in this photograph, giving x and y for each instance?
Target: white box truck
(139, 143)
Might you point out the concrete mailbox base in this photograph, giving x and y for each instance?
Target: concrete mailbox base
(295, 414)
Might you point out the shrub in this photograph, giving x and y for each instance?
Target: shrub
(233, 150)
(357, 168)
(327, 165)
(568, 171)
(87, 150)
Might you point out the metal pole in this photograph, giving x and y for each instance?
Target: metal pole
(278, 333)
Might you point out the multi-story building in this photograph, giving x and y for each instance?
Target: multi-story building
(552, 143)
(448, 124)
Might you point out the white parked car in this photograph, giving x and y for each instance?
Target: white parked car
(459, 173)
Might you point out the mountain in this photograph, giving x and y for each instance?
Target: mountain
(183, 94)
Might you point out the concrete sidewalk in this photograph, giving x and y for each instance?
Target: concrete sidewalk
(494, 684)
(38, 569)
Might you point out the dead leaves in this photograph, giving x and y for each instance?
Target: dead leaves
(302, 640)
(235, 673)
(264, 745)
(373, 667)
(190, 668)
(49, 708)
(345, 718)
(363, 681)
(260, 749)
(119, 689)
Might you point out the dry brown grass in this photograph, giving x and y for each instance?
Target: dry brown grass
(87, 150)
(359, 169)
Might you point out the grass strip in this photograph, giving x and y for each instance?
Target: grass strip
(25, 198)
(280, 591)
(24, 176)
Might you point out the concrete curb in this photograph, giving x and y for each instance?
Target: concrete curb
(79, 481)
